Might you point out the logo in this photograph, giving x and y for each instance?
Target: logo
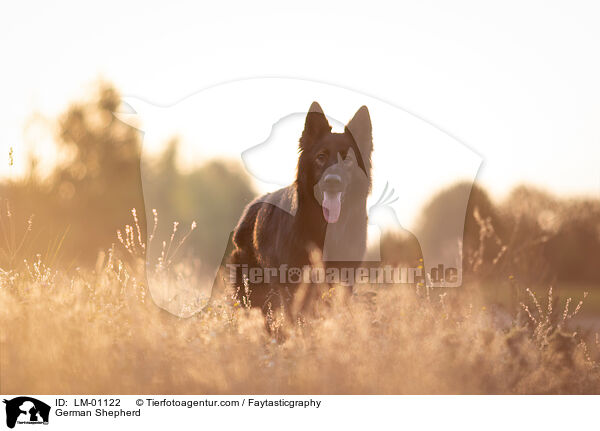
(413, 161)
(26, 410)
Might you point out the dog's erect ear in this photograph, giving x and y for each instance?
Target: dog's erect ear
(361, 130)
(316, 125)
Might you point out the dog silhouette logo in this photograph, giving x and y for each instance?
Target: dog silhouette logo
(261, 120)
(26, 410)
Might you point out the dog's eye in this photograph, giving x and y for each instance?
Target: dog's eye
(321, 158)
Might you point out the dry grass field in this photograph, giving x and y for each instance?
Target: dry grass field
(98, 331)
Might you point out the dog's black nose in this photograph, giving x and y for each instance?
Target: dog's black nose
(333, 181)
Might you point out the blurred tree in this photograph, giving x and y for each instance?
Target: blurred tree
(91, 191)
(79, 206)
(213, 195)
(98, 181)
(573, 247)
(483, 225)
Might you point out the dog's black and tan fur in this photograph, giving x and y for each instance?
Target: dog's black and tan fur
(326, 203)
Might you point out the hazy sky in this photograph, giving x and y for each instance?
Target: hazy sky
(518, 82)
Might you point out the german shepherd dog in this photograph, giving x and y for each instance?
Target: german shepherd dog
(324, 210)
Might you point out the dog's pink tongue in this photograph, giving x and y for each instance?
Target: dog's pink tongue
(332, 206)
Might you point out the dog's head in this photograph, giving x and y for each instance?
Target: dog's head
(335, 168)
